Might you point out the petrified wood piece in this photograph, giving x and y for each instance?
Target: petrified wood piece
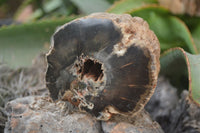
(104, 64)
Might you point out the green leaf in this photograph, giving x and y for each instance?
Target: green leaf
(111, 1)
(19, 44)
(52, 5)
(170, 30)
(46, 8)
(124, 6)
(2, 2)
(193, 24)
(91, 6)
(177, 64)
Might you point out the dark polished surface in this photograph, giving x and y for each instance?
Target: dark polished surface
(95, 38)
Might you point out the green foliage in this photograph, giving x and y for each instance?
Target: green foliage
(193, 24)
(112, 1)
(123, 6)
(2, 2)
(176, 64)
(21, 43)
(170, 30)
(49, 8)
(90, 6)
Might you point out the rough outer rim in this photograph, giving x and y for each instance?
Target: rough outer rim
(145, 38)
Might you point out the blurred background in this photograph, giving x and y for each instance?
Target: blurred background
(37, 21)
(26, 26)
(29, 10)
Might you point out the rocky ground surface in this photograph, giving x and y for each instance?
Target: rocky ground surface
(26, 107)
(40, 114)
(175, 114)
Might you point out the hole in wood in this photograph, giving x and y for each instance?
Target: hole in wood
(92, 69)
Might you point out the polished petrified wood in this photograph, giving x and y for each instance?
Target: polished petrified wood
(104, 64)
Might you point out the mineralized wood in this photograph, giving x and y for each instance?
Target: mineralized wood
(104, 64)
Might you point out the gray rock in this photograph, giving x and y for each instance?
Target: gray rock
(39, 114)
(173, 114)
(140, 123)
(163, 100)
(21, 82)
(185, 118)
(42, 115)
